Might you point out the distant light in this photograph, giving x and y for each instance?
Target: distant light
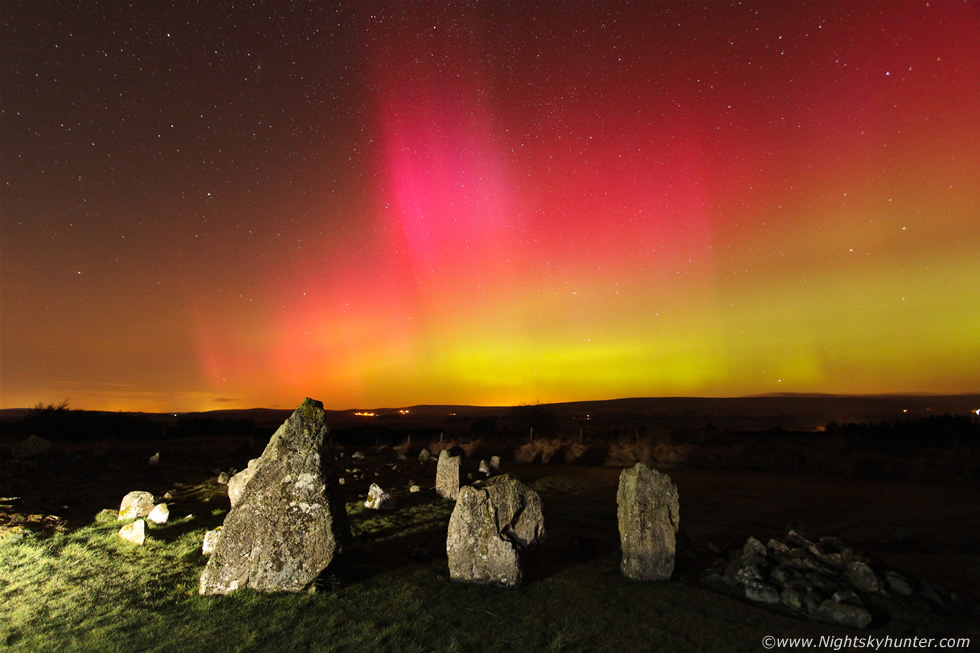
(403, 411)
(364, 414)
(905, 410)
(977, 411)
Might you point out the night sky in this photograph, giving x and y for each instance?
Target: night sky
(218, 205)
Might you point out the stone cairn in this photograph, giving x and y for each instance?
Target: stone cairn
(290, 520)
(649, 515)
(493, 528)
(447, 475)
(823, 580)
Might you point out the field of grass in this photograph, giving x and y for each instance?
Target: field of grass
(87, 589)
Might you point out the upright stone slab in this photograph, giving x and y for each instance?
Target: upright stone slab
(290, 520)
(491, 530)
(447, 475)
(649, 514)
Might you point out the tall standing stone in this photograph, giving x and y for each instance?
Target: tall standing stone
(290, 519)
(649, 514)
(492, 528)
(447, 475)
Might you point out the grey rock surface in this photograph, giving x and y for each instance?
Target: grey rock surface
(492, 530)
(290, 520)
(649, 515)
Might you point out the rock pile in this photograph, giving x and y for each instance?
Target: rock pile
(493, 528)
(649, 515)
(447, 475)
(290, 519)
(823, 580)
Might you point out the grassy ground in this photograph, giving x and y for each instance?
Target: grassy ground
(86, 589)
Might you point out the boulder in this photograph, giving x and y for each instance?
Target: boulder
(290, 520)
(237, 483)
(378, 499)
(136, 505)
(425, 456)
(495, 464)
(491, 531)
(160, 514)
(649, 515)
(135, 532)
(484, 468)
(31, 446)
(447, 475)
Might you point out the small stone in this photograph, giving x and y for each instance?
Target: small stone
(847, 596)
(135, 532)
(748, 573)
(843, 614)
(154, 459)
(357, 455)
(777, 547)
(754, 547)
(761, 592)
(378, 499)
(862, 577)
(821, 582)
(210, 542)
(791, 598)
(223, 478)
(425, 456)
(414, 488)
(898, 583)
(797, 539)
(136, 505)
(160, 514)
(106, 515)
(341, 481)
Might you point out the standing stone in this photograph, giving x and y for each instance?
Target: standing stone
(484, 468)
(136, 505)
(447, 475)
(237, 483)
(649, 514)
(290, 520)
(424, 456)
(492, 528)
(495, 464)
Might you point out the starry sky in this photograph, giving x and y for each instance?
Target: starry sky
(233, 204)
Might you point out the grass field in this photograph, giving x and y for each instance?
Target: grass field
(87, 589)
